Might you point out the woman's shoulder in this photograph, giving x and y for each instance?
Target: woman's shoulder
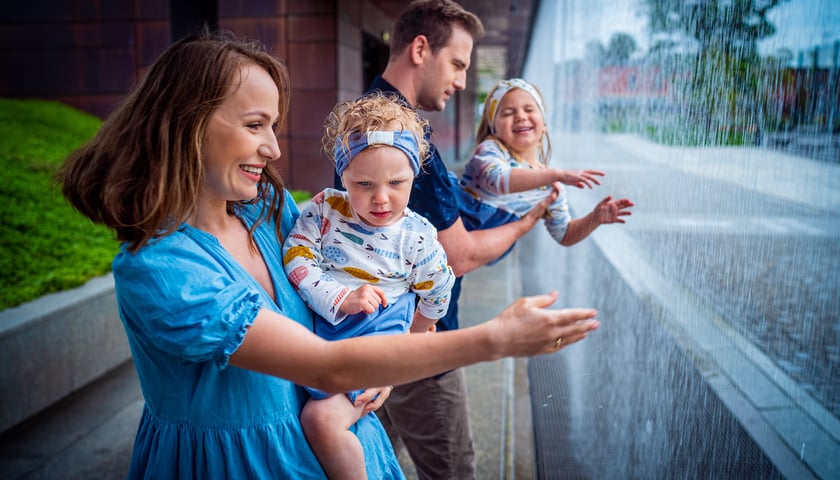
(185, 248)
(155, 248)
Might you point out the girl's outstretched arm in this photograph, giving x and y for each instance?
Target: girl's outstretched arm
(607, 211)
(523, 179)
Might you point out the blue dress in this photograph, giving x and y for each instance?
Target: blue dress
(186, 305)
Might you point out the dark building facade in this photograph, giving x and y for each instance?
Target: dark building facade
(88, 53)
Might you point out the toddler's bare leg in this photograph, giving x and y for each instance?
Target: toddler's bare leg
(326, 424)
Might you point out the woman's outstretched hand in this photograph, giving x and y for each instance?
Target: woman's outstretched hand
(527, 327)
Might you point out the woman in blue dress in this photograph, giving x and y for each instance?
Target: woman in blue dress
(183, 172)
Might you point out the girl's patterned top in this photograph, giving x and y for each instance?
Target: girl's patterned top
(487, 178)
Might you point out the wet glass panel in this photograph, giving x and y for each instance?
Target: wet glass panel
(719, 353)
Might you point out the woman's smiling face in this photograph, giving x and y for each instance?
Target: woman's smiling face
(240, 138)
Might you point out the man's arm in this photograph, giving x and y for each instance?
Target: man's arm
(469, 250)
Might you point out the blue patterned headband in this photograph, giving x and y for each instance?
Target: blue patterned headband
(356, 142)
(501, 90)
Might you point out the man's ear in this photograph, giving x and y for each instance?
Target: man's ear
(418, 49)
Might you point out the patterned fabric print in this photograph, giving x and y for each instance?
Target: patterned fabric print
(330, 252)
(487, 178)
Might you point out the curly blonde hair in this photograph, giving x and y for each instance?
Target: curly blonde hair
(375, 112)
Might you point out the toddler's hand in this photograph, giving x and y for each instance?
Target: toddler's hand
(373, 398)
(366, 298)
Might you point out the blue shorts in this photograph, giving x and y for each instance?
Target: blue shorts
(391, 320)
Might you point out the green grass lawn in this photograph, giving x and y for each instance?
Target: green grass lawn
(45, 245)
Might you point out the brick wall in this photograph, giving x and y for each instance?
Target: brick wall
(89, 53)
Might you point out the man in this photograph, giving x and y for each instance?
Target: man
(430, 54)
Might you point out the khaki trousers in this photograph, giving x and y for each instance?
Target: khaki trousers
(430, 418)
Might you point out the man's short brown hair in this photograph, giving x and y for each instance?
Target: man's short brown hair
(434, 19)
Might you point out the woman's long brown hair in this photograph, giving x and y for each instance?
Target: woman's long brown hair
(142, 173)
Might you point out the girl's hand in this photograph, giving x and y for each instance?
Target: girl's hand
(373, 398)
(579, 178)
(611, 211)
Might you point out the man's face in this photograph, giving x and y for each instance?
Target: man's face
(445, 72)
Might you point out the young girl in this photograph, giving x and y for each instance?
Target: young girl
(509, 169)
(359, 257)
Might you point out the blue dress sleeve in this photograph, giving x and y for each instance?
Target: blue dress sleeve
(177, 295)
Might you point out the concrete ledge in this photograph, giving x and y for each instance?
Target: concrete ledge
(55, 345)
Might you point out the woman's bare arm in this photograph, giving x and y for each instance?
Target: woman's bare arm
(279, 346)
